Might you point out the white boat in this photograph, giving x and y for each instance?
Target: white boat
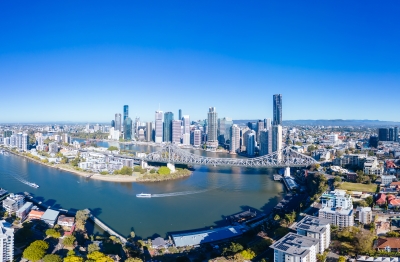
(34, 185)
(143, 195)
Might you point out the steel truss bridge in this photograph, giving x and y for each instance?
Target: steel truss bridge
(285, 157)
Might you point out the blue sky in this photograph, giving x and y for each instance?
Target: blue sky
(83, 60)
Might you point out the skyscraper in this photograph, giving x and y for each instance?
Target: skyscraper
(149, 131)
(267, 123)
(176, 131)
(196, 138)
(265, 142)
(391, 134)
(168, 117)
(383, 134)
(159, 122)
(186, 124)
(212, 125)
(113, 123)
(180, 114)
(117, 122)
(224, 130)
(234, 139)
(276, 138)
(126, 112)
(6, 241)
(277, 120)
(396, 134)
(251, 143)
(260, 127)
(128, 128)
(25, 142)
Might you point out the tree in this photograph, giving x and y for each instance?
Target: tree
(232, 249)
(99, 257)
(36, 250)
(73, 259)
(133, 259)
(81, 217)
(363, 241)
(112, 148)
(164, 170)
(342, 259)
(92, 248)
(69, 240)
(52, 258)
(277, 217)
(248, 254)
(52, 233)
(322, 257)
(132, 234)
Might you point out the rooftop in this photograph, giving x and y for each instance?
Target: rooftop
(50, 215)
(295, 245)
(392, 242)
(313, 224)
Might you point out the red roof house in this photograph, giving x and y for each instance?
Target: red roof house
(381, 200)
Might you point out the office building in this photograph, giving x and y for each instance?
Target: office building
(337, 206)
(180, 114)
(251, 143)
(396, 134)
(118, 122)
(252, 125)
(168, 117)
(6, 242)
(260, 127)
(113, 123)
(186, 124)
(295, 248)
(126, 112)
(383, 134)
(373, 141)
(315, 227)
(212, 139)
(391, 134)
(277, 110)
(127, 128)
(265, 142)
(8, 133)
(186, 139)
(176, 131)
(149, 131)
(195, 138)
(267, 123)
(158, 128)
(234, 139)
(276, 138)
(223, 130)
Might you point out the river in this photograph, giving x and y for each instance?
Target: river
(203, 199)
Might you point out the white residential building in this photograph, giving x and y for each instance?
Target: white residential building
(387, 179)
(276, 138)
(371, 166)
(337, 206)
(316, 227)
(295, 248)
(6, 242)
(196, 135)
(364, 215)
(186, 139)
(13, 202)
(185, 124)
(53, 148)
(235, 139)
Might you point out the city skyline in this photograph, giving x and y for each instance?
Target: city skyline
(329, 60)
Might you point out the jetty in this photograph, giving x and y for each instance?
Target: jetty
(106, 228)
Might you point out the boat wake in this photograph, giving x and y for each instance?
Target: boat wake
(20, 179)
(183, 193)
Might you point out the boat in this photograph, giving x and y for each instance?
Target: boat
(142, 195)
(33, 185)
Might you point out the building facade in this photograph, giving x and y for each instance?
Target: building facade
(337, 206)
(118, 122)
(158, 129)
(317, 228)
(276, 138)
(277, 110)
(176, 131)
(234, 139)
(126, 112)
(168, 117)
(127, 128)
(295, 248)
(251, 144)
(6, 242)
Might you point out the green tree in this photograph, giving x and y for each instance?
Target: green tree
(52, 258)
(36, 250)
(112, 148)
(342, 259)
(133, 235)
(277, 217)
(126, 170)
(69, 240)
(164, 170)
(92, 248)
(99, 257)
(133, 259)
(73, 259)
(248, 254)
(80, 219)
(52, 233)
(363, 241)
(369, 200)
(232, 249)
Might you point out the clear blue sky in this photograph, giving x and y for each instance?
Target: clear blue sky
(83, 60)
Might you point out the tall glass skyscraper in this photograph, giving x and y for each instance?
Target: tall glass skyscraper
(180, 114)
(277, 120)
(212, 125)
(128, 128)
(126, 112)
(118, 122)
(168, 117)
(158, 130)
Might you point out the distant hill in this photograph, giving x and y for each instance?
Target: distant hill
(331, 122)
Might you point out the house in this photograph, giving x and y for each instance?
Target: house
(381, 200)
(50, 217)
(65, 221)
(35, 214)
(391, 244)
(158, 243)
(395, 202)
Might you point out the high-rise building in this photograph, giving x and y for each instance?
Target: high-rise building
(186, 139)
(113, 123)
(276, 138)
(224, 130)
(25, 142)
(316, 227)
(126, 112)
(396, 134)
(251, 143)
(118, 122)
(373, 141)
(6, 242)
(212, 125)
(295, 248)
(149, 131)
(337, 206)
(186, 124)
(180, 114)
(195, 138)
(383, 134)
(252, 125)
(260, 127)
(176, 131)
(391, 134)
(234, 139)
(168, 117)
(159, 123)
(277, 120)
(265, 142)
(267, 123)
(128, 128)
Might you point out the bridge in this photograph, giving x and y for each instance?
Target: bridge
(285, 157)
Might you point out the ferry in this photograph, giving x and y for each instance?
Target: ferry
(143, 195)
(33, 185)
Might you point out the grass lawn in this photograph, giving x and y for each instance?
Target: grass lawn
(358, 187)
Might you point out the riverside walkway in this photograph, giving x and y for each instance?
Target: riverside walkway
(106, 228)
